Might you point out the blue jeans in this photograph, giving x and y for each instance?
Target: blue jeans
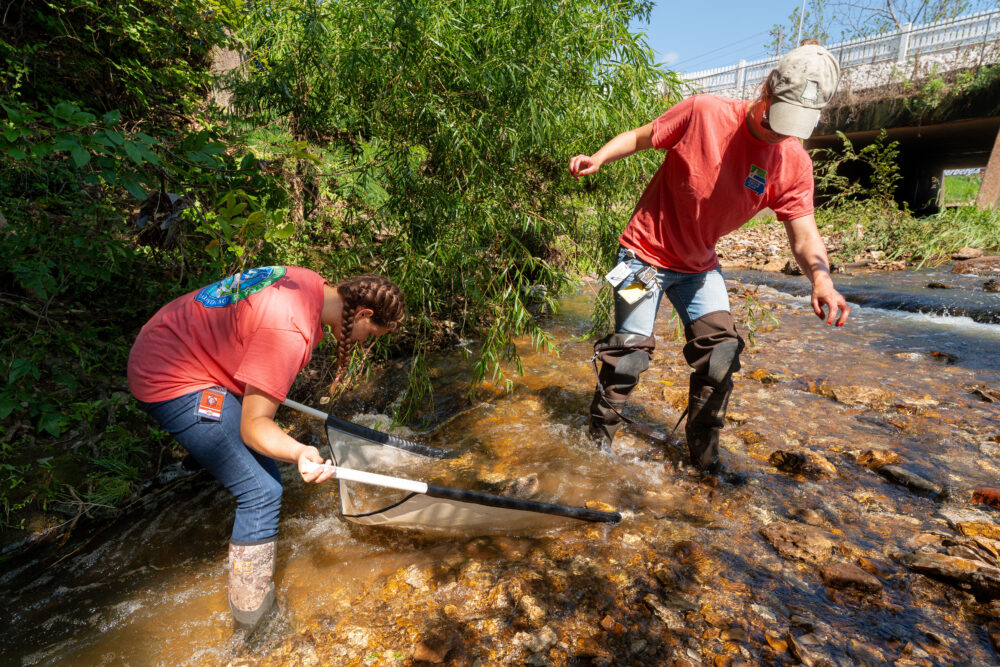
(692, 295)
(253, 478)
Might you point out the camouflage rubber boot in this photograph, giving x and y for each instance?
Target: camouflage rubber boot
(251, 583)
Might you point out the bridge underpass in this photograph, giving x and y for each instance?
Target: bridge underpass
(925, 152)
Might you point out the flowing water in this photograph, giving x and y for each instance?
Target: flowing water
(688, 577)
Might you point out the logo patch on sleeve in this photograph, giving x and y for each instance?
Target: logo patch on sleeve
(238, 286)
(756, 180)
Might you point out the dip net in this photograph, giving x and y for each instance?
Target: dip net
(438, 508)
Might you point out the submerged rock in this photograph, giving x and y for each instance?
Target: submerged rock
(672, 619)
(913, 481)
(802, 462)
(851, 577)
(992, 285)
(856, 395)
(799, 541)
(876, 458)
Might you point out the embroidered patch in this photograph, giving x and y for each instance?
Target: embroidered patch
(756, 180)
(238, 286)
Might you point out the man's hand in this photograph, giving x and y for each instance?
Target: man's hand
(824, 295)
(314, 474)
(583, 165)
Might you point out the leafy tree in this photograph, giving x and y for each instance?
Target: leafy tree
(829, 20)
(454, 121)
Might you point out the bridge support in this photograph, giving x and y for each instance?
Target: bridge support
(989, 190)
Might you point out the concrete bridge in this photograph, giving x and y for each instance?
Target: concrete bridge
(890, 81)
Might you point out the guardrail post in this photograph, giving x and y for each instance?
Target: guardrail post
(904, 42)
(741, 75)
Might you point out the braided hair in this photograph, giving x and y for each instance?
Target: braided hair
(367, 291)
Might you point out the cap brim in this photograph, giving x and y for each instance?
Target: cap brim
(792, 120)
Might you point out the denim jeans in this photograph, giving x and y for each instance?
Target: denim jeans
(253, 478)
(692, 295)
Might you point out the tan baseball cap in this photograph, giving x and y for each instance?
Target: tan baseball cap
(802, 84)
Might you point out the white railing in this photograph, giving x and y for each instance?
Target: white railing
(979, 31)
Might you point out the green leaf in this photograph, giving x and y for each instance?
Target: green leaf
(80, 156)
(133, 152)
(133, 187)
(16, 153)
(7, 406)
(112, 117)
(115, 137)
(284, 231)
(51, 423)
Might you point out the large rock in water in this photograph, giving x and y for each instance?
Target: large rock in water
(971, 564)
(799, 541)
(989, 264)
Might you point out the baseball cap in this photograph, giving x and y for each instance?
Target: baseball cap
(802, 84)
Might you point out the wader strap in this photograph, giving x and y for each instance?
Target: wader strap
(659, 436)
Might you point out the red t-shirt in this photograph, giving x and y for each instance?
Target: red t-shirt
(714, 178)
(258, 328)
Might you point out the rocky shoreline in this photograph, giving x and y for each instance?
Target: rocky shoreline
(765, 248)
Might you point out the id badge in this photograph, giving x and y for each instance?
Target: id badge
(210, 403)
(618, 274)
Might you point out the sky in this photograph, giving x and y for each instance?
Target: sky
(693, 35)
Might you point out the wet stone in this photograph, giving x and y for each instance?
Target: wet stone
(855, 395)
(992, 285)
(799, 541)
(845, 576)
(431, 650)
(802, 462)
(876, 458)
(987, 496)
(977, 265)
(913, 482)
(672, 619)
(970, 564)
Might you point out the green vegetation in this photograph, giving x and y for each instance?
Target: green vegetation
(427, 141)
(864, 216)
(961, 188)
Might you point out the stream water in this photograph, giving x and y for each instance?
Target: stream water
(697, 573)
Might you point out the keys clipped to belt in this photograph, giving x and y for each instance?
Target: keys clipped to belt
(643, 283)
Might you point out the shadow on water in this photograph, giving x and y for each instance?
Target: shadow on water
(688, 574)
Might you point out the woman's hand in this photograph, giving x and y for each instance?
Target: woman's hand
(313, 474)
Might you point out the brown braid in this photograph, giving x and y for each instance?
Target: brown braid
(368, 291)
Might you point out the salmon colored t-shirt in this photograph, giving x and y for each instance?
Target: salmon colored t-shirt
(258, 328)
(714, 178)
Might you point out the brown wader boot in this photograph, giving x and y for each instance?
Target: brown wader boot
(624, 357)
(713, 350)
(251, 583)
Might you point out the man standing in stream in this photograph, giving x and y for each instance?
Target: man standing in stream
(726, 160)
